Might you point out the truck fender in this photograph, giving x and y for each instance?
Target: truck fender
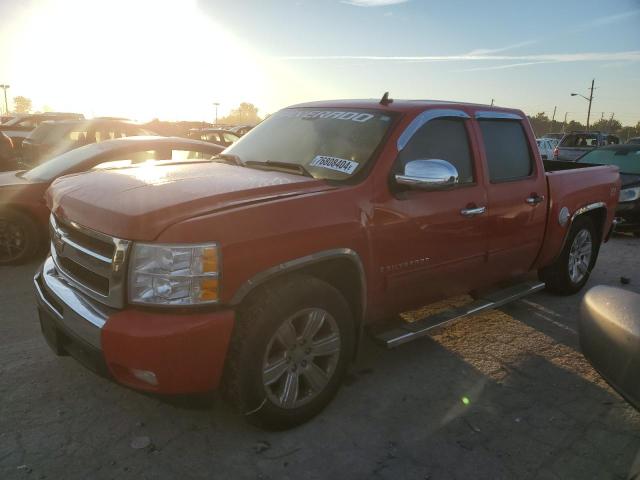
(308, 262)
(582, 211)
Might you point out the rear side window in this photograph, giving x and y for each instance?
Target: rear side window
(442, 139)
(580, 140)
(507, 150)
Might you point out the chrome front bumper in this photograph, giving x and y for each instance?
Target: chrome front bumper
(74, 313)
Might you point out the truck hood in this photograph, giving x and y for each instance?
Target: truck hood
(139, 203)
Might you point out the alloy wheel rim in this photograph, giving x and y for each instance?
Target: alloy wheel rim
(580, 256)
(301, 358)
(12, 240)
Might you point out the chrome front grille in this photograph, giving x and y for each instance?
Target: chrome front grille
(91, 261)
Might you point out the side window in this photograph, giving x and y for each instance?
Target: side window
(442, 139)
(507, 150)
(228, 138)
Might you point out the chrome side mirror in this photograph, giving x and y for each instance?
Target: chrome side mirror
(428, 174)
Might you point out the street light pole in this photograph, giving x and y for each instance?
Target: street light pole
(6, 104)
(216, 104)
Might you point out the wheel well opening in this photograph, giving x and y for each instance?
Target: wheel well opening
(344, 276)
(598, 217)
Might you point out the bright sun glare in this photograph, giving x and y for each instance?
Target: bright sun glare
(141, 59)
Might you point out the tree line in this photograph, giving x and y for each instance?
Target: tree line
(247, 114)
(542, 124)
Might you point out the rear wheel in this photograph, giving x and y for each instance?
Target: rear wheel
(571, 270)
(289, 352)
(19, 239)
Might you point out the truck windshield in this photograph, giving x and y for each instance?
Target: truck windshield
(626, 159)
(329, 143)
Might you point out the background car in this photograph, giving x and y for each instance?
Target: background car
(23, 213)
(240, 130)
(575, 144)
(634, 141)
(53, 138)
(609, 330)
(545, 147)
(215, 135)
(19, 127)
(627, 159)
(7, 154)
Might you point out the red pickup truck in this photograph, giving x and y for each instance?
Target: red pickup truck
(259, 271)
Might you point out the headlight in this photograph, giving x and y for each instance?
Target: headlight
(174, 274)
(629, 194)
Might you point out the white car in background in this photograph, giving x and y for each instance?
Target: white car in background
(545, 146)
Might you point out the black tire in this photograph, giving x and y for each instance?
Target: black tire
(19, 237)
(255, 330)
(557, 276)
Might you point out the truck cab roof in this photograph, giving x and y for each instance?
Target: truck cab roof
(406, 106)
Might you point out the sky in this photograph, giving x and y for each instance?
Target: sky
(173, 59)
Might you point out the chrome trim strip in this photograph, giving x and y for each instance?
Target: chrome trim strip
(424, 326)
(108, 268)
(86, 251)
(579, 211)
(71, 280)
(489, 114)
(423, 118)
(80, 315)
(301, 262)
(587, 208)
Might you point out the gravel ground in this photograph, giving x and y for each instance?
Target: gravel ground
(505, 394)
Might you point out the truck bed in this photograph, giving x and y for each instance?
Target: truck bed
(576, 186)
(558, 165)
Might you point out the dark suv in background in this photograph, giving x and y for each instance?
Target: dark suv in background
(20, 126)
(53, 138)
(575, 144)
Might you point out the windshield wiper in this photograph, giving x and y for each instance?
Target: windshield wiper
(299, 169)
(229, 158)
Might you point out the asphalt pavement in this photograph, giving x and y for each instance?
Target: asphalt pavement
(503, 395)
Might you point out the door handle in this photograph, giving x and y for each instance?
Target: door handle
(472, 212)
(534, 199)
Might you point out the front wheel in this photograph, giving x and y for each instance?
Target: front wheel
(19, 239)
(571, 270)
(289, 353)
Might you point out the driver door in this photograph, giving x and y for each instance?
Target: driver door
(431, 244)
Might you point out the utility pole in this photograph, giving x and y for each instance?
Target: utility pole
(492, 102)
(611, 121)
(553, 117)
(564, 123)
(6, 104)
(590, 100)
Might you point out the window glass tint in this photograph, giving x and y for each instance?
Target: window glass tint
(507, 149)
(442, 139)
(229, 138)
(580, 140)
(627, 159)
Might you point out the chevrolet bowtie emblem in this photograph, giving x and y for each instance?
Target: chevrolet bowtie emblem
(58, 243)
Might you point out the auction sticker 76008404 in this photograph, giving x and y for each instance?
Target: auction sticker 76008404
(334, 163)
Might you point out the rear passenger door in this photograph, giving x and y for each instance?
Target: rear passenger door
(516, 189)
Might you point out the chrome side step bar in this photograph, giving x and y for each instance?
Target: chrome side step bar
(408, 331)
